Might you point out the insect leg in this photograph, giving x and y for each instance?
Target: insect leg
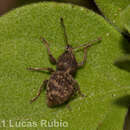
(85, 46)
(41, 69)
(89, 44)
(77, 88)
(84, 58)
(39, 91)
(52, 59)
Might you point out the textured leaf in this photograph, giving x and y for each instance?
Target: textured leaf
(107, 86)
(125, 16)
(112, 10)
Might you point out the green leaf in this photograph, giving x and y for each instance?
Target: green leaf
(100, 79)
(124, 63)
(125, 17)
(112, 10)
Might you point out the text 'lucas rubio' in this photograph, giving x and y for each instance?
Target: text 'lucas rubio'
(27, 124)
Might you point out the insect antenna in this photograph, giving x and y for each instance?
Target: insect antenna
(88, 44)
(65, 34)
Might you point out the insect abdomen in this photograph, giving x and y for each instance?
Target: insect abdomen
(59, 88)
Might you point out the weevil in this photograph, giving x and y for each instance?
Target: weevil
(61, 86)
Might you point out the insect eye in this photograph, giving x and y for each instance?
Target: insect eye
(67, 47)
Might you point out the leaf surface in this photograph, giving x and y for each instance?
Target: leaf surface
(105, 84)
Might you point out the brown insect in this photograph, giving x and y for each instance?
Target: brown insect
(61, 85)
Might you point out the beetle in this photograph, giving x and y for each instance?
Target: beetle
(61, 85)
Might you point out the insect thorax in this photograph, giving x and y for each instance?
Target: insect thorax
(67, 61)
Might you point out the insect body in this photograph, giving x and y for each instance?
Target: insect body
(61, 85)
